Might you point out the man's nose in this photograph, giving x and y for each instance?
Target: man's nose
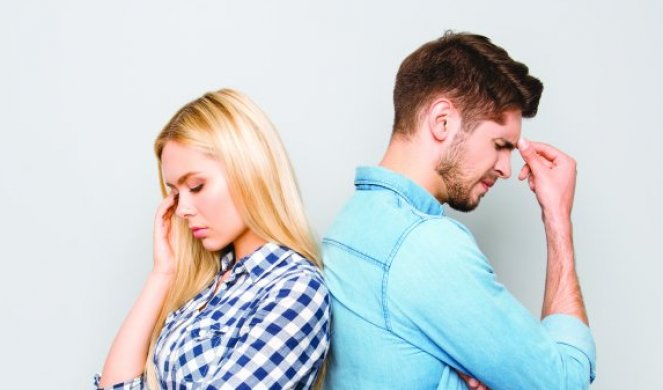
(503, 165)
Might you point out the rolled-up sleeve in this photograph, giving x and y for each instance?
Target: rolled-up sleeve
(442, 294)
(569, 331)
(138, 383)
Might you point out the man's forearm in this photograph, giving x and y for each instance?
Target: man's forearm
(562, 295)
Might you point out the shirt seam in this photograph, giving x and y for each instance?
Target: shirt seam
(359, 254)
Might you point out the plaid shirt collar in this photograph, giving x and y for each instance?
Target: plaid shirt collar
(256, 263)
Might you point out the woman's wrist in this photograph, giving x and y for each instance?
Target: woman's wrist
(162, 276)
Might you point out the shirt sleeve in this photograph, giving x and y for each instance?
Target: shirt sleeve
(287, 340)
(138, 383)
(443, 297)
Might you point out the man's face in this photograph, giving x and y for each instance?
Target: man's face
(474, 161)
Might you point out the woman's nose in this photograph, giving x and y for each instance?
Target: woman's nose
(184, 208)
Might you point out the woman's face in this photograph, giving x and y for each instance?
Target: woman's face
(203, 197)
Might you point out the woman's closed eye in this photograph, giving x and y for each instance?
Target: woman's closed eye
(196, 188)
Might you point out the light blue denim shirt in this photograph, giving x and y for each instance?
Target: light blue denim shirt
(414, 300)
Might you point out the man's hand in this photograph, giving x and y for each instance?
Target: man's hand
(472, 383)
(551, 175)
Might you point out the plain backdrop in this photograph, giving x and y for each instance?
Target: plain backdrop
(85, 87)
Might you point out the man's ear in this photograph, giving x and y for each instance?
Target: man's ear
(437, 116)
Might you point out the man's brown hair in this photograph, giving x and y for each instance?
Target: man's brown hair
(479, 78)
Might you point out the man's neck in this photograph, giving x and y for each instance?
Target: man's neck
(410, 158)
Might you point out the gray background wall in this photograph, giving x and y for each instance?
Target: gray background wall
(86, 86)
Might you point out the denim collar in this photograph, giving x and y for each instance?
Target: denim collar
(367, 178)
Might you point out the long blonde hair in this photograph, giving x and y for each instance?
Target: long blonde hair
(228, 126)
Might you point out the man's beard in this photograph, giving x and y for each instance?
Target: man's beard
(459, 186)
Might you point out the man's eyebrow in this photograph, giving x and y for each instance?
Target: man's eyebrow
(182, 178)
(506, 144)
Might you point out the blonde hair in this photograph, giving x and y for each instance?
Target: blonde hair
(228, 126)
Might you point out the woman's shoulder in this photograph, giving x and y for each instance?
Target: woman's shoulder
(285, 266)
(295, 264)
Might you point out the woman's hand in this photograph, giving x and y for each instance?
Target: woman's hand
(128, 353)
(164, 259)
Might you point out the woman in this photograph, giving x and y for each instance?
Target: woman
(235, 299)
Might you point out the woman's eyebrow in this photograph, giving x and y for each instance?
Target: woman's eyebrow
(182, 178)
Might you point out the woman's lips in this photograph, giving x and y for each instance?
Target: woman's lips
(199, 232)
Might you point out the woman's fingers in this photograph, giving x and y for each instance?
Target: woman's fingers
(163, 253)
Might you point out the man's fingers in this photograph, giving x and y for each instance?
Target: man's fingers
(524, 172)
(551, 156)
(548, 151)
(472, 383)
(538, 154)
(529, 154)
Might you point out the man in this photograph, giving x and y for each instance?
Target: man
(416, 305)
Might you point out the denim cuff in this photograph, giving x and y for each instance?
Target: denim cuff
(569, 330)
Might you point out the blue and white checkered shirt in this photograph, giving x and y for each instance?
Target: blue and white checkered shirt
(267, 327)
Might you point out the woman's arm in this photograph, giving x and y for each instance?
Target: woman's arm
(128, 353)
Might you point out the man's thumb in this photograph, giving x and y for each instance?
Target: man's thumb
(529, 154)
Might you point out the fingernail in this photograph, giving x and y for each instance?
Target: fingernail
(523, 143)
